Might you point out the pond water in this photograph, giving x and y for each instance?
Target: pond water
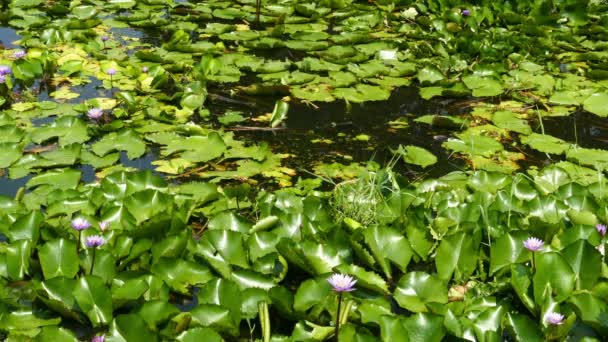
(333, 132)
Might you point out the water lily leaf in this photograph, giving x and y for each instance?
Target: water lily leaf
(67, 129)
(366, 279)
(26, 227)
(58, 258)
(586, 262)
(199, 334)
(122, 3)
(483, 86)
(362, 93)
(307, 45)
(423, 327)
(550, 179)
(508, 120)
(508, 250)
(457, 254)
(126, 140)
(156, 312)
(429, 75)
(224, 245)
(223, 293)
(130, 327)
(214, 316)
(55, 333)
(523, 328)
(18, 259)
(9, 153)
(589, 156)
(476, 145)
(553, 272)
(94, 298)
(180, 274)
(545, 143)
(590, 309)
(279, 114)
(84, 12)
(417, 289)
(416, 155)
(566, 98)
(597, 104)
(21, 320)
(388, 246)
(197, 148)
(312, 292)
(145, 204)
(313, 92)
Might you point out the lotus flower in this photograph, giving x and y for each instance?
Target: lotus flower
(465, 13)
(534, 244)
(80, 223)
(111, 71)
(105, 38)
(387, 55)
(95, 113)
(144, 69)
(100, 338)
(554, 318)
(601, 228)
(5, 70)
(95, 241)
(19, 54)
(342, 282)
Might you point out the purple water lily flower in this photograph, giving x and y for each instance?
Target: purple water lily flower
(103, 225)
(19, 54)
(534, 244)
(2, 79)
(80, 223)
(95, 113)
(111, 71)
(95, 241)
(105, 38)
(342, 282)
(100, 338)
(601, 228)
(5, 70)
(465, 13)
(554, 318)
(144, 69)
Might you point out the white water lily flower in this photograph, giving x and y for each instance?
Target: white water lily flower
(388, 55)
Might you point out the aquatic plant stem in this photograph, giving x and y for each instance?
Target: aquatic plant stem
(338, 317)
(533, 263)
(78, 244)
(92, 262)
(258, 6)
(111, 86)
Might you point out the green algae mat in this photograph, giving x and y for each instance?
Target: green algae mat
(303, 170)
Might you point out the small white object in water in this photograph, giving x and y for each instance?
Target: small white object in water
(388, 55)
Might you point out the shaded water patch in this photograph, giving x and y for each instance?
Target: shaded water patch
(7, 37)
